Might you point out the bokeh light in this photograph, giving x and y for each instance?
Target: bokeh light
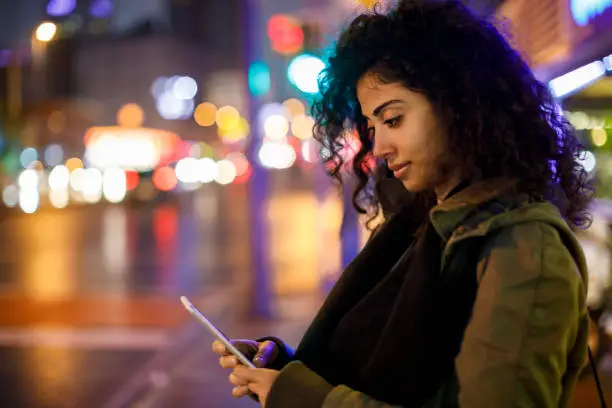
(114, 185)
(59, 8)
(10, 196)
(588, 161)
(226, 172)
(187, 170)
(59, 178)
(92, 185)
(46, 31)
(275, 155)
(184, 88)
(29, 200)
(286, 34)
(77, 179)
(276, 127)
(74, 163)
(259, 78)
(131, 179)
(59, 198)
(302, 126)
(207, 170)
(228, 118)
(294, 107)
(28, 179)
(303, 72)
(205, 114)
(237, 134)
(172, 108)
(164, 178)
(27, 156)
(158, 86)
(54, 155)
(101, 8)
(241, 163)
(599, 137)
(130, 115)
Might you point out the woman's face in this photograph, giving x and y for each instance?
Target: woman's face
(407, 134)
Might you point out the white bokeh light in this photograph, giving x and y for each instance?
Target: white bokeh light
(187, 170)
(185, 88)
(114, 185)
(59, 178)
(276, 127)
(207, 170)
(226, 172)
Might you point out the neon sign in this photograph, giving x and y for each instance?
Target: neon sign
(584, 11)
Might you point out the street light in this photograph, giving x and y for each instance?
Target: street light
(45, 31)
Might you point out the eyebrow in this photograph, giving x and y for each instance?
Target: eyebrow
(380, 108)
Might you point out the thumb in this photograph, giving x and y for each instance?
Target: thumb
(267, 353)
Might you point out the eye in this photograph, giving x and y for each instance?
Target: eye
(394, 122)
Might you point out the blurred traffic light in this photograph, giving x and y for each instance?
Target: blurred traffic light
(286, 34)
(303, 72)
(259, 78)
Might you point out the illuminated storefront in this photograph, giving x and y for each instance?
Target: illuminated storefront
(569, 45)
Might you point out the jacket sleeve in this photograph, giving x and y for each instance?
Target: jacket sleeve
(299, 387)
(527, 319)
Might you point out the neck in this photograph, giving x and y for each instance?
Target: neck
(444, 190)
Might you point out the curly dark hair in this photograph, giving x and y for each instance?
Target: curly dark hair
(499, 117)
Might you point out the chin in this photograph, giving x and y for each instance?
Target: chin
(413, 186)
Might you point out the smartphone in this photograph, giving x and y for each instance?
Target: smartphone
(222, 338)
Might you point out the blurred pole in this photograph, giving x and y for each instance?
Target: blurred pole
(349, 230)
(38, 52)
(14, 88)
(260, 292)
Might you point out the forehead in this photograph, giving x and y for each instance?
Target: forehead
(371, 92)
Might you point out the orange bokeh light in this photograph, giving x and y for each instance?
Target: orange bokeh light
(164, 178)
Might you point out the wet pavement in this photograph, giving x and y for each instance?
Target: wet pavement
(89, 309)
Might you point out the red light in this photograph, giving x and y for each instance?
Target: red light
(164, 178)
(131, 180)
(286, 34)
(244, 177)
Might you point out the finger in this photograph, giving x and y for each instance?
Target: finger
(240, 391)
(265, 354)
(228, 361)
(245, 373)
(218, 347)
(235, 380)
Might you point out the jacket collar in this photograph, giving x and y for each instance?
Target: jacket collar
(450, 215)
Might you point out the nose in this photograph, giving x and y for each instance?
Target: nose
(382, 148)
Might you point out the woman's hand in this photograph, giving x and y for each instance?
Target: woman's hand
(260, 353)
(257, 380)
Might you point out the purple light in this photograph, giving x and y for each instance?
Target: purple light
(5, 57)
(101, 8)
(58, 8)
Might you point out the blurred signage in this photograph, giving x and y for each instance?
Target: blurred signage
(140, 149)
(583, 11)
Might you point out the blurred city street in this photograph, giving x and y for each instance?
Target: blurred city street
(89, 302)
(89, 307)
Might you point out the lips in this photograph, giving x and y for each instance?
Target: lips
(399, 169)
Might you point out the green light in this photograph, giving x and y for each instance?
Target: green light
(259, 78)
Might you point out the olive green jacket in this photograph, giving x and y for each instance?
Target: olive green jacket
(526, 342)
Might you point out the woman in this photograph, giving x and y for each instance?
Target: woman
(472, 292)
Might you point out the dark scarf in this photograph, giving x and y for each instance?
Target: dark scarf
(392, 326)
